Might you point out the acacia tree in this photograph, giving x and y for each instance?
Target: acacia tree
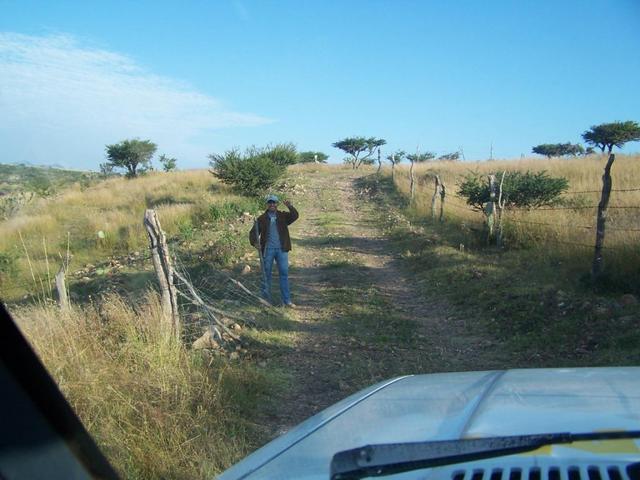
(558, 149)
(106, 169)
(396, 158)
(168, 163)
(312, 157)
(452, 157)
(609, 135)
(417, 158)
(133, 155)
(361, 149)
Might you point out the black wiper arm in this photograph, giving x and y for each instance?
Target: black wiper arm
(391, 458)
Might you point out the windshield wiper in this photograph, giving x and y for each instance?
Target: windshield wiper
(391, 458)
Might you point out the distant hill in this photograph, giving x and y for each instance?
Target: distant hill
(39, 179)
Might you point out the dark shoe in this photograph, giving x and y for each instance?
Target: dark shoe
(290, 305)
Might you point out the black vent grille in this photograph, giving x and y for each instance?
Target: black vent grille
(582, 472)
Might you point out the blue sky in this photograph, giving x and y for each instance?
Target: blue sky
(201, 77)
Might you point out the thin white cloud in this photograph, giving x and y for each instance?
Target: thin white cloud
(57, 96)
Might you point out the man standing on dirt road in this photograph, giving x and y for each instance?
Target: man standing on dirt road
(270, 233)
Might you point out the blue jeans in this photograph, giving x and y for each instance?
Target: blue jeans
(282, 260)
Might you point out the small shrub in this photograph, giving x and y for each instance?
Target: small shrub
(311, 157)
(254, 171)
(281, 154)
(519, 190)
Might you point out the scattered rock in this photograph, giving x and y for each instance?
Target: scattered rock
(206, 341)
(262, 364)
(85, 279)
(236, 326)
(628, 299)
(234, 356)
(246, 269)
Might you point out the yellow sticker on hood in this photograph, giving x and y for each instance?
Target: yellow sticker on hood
(626, 445)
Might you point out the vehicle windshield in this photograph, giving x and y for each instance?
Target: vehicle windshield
(292, 229)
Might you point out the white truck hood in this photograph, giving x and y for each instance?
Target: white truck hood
(467, 405)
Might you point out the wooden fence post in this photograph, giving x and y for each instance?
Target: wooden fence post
(500, 208)
(434, 197)
(164, 270)
(442, 195)
(61, 288)
(598, 264)
(491, 206)
(393, 167)
(412, 186)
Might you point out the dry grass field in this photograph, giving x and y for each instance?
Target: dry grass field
(95, 223)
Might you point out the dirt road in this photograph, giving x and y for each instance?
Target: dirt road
(360, 318)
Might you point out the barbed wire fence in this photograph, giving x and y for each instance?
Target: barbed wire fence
(459, 204)
(204, 306)
(215, 306)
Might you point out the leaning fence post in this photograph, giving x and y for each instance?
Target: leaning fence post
(61, 288)
(434, 198)
(491, 206)
(164, 270)
(500, 207)
(598, 263)
(442, 195)
(412, 185)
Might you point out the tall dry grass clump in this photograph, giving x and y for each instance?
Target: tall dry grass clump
(155, 409)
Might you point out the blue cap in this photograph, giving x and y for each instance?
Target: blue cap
(271, 198)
